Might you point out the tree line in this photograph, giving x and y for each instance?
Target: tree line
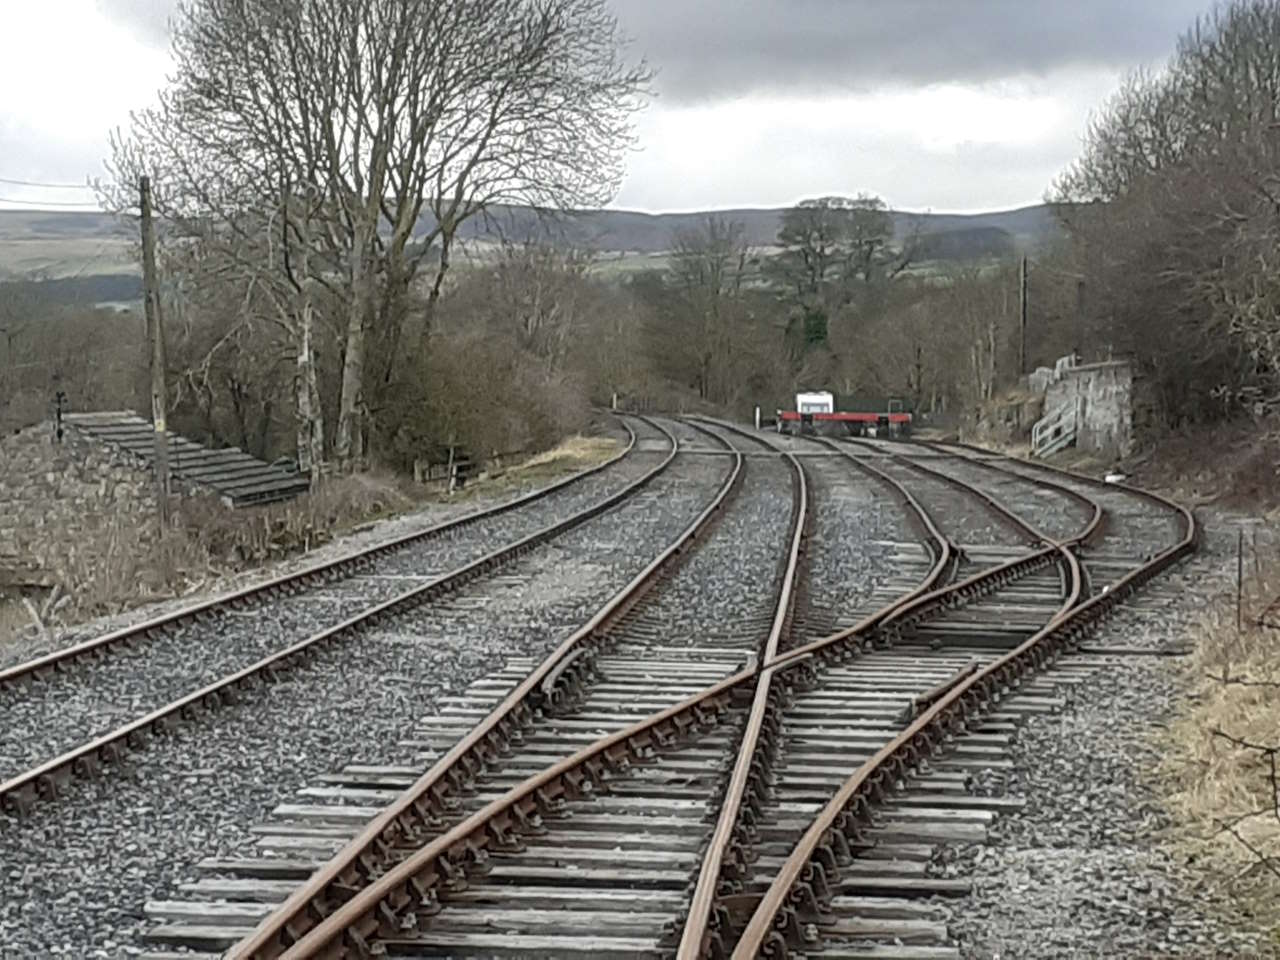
(313, 163)
(1173, 213)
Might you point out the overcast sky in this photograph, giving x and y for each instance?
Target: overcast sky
(944, 105)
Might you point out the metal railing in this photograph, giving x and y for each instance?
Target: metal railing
(1056, 430)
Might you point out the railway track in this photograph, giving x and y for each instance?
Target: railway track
(650, 794)
(740, 754)
(72, 711)
(844, 713)
(641, 640)
(816, 898)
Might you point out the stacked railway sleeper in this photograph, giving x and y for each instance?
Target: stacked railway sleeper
(110, 842)
(864, 880)
(701, 622)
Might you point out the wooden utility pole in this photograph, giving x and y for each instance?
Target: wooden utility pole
(155, 335)
(1022, 338)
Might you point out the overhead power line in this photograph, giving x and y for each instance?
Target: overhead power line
(49, 203)
(47, 186)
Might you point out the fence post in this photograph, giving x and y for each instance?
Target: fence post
(1239, 580)
(155, 333)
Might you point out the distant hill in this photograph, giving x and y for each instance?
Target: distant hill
(624, 230)
(52, 245)
(967, 243)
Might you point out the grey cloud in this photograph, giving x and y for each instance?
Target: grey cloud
(710, 49)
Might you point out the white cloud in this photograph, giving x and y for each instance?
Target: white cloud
(71, 70)
(69, 75)
(942, 147)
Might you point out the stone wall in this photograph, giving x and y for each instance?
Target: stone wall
(55, 496)
(1105, 391)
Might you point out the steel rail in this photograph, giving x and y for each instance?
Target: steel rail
(22, 791)
(927, 599)
(417, 812)
(1089, 532)
(701, 934)
(289, 583)
(798, 892)
(745, 769)
(1139, 492)
(410, 890)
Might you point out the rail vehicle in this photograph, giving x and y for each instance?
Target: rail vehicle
(815, 413)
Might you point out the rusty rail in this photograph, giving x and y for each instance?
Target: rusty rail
(411, 887)
(288, 583)
(798, 894)
(705, 925)
(747, 773)
(21, 792)
(1084, 536)
(419, 811)
(343, 908)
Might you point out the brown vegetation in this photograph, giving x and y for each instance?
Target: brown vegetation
(313, 163)
(1174, 219)
(1224, 748)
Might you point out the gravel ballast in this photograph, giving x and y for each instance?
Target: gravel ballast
(1089, 867)
(78, 871)
(962, 516)
(1134, 526)
(648, 450)
(1053, 512)
(92, 698)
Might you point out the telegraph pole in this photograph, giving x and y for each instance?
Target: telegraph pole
(1022, 339)
(155, 335)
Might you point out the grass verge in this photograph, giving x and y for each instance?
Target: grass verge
(1223, 749)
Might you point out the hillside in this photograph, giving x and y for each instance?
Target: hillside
(52, 245)
(624, 230)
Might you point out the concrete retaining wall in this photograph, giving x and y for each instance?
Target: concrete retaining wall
(1105, 391)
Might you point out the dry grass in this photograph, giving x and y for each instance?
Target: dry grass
(575, 453)
(1220, 766)
(569, 456)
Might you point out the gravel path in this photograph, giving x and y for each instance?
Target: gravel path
(1086, 869)
(78, 871)
(94, 697)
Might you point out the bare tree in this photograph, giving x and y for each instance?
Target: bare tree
(837, 253)
(708, 267)
(1176, 203)
(395, 121)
